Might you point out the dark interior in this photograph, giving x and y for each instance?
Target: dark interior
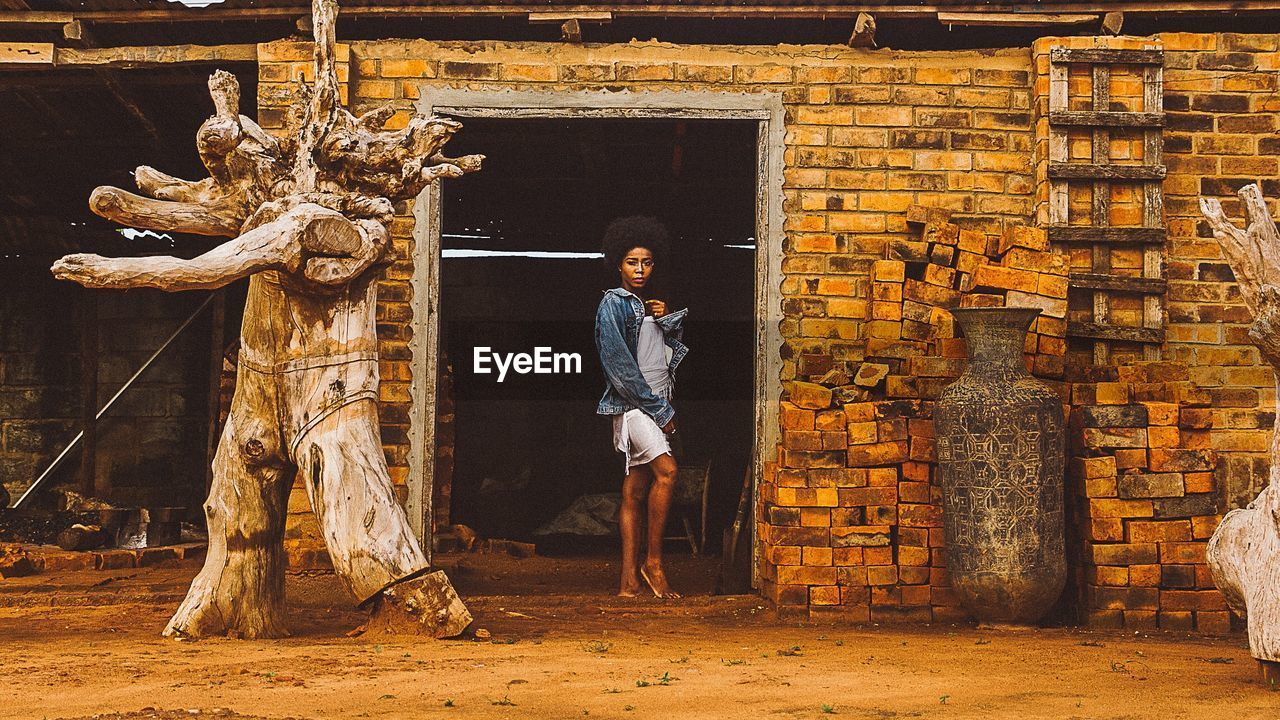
(68, 131)
(528, 446)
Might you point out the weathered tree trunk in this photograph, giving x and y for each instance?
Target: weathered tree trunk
(1244, 552)
(309, 219)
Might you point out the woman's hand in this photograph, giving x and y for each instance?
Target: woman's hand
(656, 308)
(670, 427)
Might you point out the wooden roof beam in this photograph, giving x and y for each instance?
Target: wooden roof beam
(1014, 19)
(833, 10)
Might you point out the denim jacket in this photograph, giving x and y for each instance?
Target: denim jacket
(618, 322)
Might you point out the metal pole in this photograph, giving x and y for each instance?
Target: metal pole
(127, 384)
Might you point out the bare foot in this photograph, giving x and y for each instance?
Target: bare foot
(630, 588)
(656, 578)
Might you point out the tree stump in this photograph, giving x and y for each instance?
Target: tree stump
(1244, 552)
(308, 216)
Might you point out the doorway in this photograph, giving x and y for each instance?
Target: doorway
(515, 258)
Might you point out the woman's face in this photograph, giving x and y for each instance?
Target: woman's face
(635, 269)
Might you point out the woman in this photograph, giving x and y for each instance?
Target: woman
(639, 344)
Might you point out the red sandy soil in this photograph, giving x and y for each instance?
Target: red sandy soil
(78, 645)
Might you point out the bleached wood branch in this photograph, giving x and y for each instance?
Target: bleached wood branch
(1244, 552)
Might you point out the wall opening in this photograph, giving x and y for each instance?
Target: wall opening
(520, 269)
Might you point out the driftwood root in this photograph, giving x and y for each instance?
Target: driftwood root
(423, 605)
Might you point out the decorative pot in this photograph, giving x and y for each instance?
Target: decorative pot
(1001, 450)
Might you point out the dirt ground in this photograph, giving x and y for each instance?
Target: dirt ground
(77, 645)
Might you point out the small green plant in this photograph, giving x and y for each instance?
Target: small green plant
(628, 708)
(642, 683)
(666, 679)
(828, 709)
(448, 702)
(504, 701)
(942, 699)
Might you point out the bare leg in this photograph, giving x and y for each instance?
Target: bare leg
(240, 590)
(663, 468)
(634, 489)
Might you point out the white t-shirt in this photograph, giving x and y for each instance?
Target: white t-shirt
(651, 356)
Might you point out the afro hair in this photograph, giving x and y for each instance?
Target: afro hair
(625, 234)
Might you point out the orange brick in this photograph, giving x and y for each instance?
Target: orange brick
(1198, 482)
(824, 595)
(882, 575)
(1106, 529)
(1127, 458)
(1163, 436)
(796, 418)
(1144, 575)
(1202, 527)
(888, 271)
(1112, 393)
(817, 556)
(992, 276)
(1159, 413)
(1095, 467)
(830, 421)
(909, 555)
(1162, 531)
(863, 433)
(806, 575)
(1108, 508)
(810, 395)
(1110, 575)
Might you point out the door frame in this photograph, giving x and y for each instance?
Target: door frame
(764, 108)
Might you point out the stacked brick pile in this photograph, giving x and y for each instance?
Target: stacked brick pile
(854, 519)
(912, 336)
(1145, 500)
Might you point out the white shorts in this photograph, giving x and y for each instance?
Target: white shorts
(638, 437)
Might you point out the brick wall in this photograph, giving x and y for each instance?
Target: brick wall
(868, 135)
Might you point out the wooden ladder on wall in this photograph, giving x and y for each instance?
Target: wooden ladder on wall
(1102, 173)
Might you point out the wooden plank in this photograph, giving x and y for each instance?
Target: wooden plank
(1018, 19)
(1107, 119)
(1115, 332)
(1059, 89)
(601, 16)
(1153, 202)
(1101, 211)
(1106, 57)
(1090, 171)
(827, 10)
(1113, 235)
(153, 56)
(35, 17)
(18, 53)
(1117, 283)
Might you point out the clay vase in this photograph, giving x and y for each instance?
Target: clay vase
(1001, 451)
